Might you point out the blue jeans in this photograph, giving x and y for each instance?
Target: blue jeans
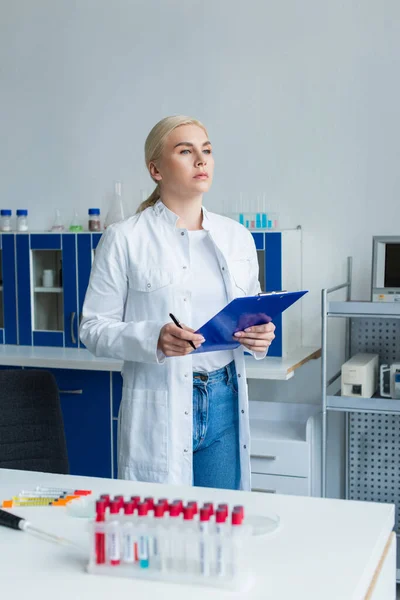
(216, 461)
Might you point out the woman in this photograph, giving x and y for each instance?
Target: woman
(183, 417)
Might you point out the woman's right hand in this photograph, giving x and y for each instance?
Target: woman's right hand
(174, 341)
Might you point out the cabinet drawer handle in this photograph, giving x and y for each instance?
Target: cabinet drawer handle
(263, 456)
(263, 491)
(71, 392)
(73, 338)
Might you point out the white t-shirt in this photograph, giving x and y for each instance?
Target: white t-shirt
(208, 296)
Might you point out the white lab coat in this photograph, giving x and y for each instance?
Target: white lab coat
(140, 274)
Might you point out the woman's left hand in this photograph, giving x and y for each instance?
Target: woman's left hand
(257, 338)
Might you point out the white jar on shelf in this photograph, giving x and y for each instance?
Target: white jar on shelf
(5, 219)
(22, 220)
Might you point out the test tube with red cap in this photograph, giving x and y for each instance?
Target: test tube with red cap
(223, 507)
(173, 550)
(220, 540)
(150, 502)
(179, 504)
(164, 501)
(106, 499)
(143, 528)
(236, 531)
(204, 550)
(209, 506)
(128, 534)
(100, 536)
(135, 500)
(121, 501)
(240, 509)
(189, 531)
(194, 505)
(113, 534)
(158, 536)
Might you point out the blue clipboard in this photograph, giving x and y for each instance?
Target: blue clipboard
(240, 314)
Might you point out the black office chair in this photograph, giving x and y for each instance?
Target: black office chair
(32, 434)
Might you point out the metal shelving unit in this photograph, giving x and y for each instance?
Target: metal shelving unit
(372, 424)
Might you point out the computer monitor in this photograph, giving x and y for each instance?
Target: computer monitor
(386, 269)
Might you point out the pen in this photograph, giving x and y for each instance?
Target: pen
(175, 320)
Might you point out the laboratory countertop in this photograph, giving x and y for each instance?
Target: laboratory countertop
(323, 549)
(80, 358)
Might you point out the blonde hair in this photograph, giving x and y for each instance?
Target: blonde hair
(154, 145)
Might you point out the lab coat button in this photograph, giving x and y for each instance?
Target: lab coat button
(182, 233)
(149, 285)
(184, 299)
(186, 412)
(184, 267)
(186, 374)
(245, 446)
(242, 411)
(223, 268)
(185, 450)
(239, 375)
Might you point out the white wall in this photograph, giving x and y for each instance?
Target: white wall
(300, 97)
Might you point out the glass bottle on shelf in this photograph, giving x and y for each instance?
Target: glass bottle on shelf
(117, 211)
(58, 225)
(76, 225)
(94, 219)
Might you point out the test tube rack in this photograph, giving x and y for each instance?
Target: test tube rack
(171, 549)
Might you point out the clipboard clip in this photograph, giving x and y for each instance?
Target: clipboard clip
(271, 293)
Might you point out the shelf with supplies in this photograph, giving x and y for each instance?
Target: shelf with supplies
(360, 309)
(375, 404)
(372, 423)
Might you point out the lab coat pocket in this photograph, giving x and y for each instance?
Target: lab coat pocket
(149, 280)
(240, 270)
(149, 294)
(144, 431)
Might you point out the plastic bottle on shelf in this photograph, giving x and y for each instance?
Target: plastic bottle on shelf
(94, 219)
(58, 225)
(22, 219)
(5, 219)
(117, 211)
(75, 223)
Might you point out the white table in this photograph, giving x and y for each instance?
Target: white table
(323, 550)
(80, 358)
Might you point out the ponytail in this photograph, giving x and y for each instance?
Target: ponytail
(151, 200)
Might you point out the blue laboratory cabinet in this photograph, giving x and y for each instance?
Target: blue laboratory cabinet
(49, 308)
(86, 406)
(8, 307)
(37, 312)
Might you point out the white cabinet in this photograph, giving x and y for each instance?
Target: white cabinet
(278, 484)
(285, 448)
